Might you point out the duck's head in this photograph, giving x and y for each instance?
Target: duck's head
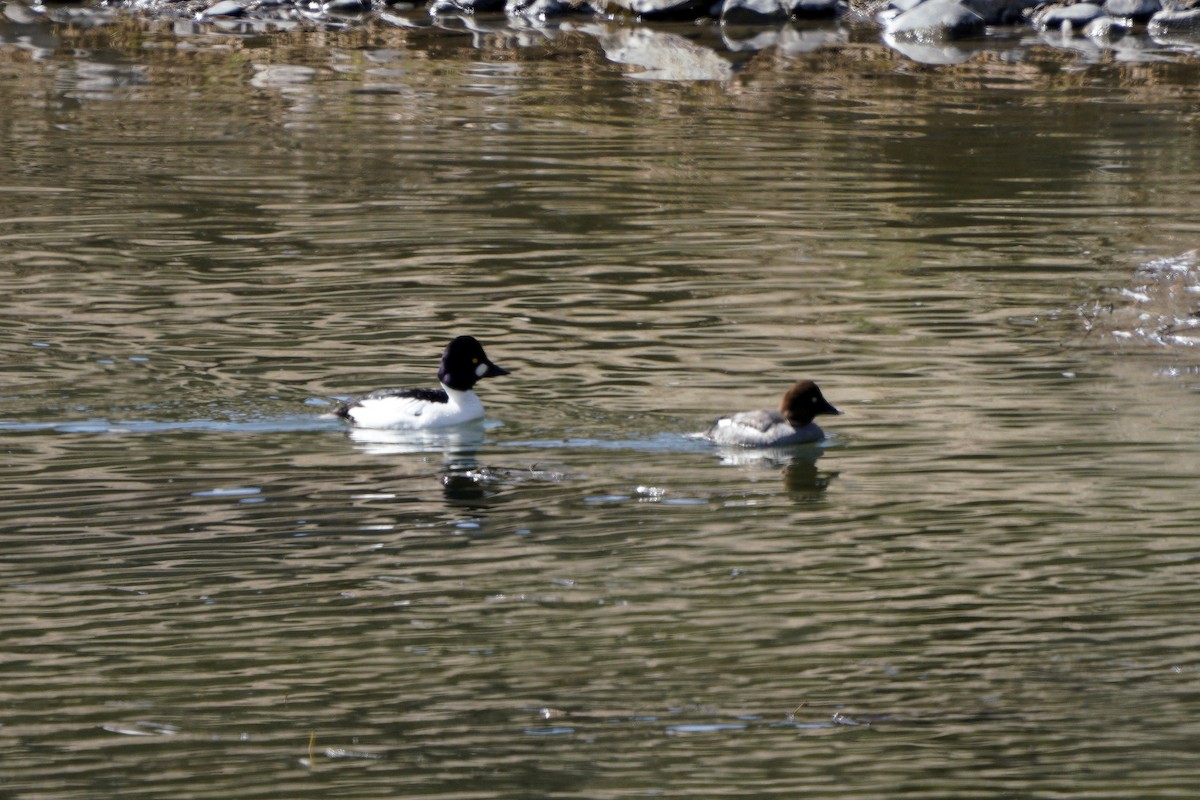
(803, 402)
(464, 363)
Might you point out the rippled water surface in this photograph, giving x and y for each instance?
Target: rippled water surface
(983, 584)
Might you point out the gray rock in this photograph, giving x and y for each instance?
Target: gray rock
(547, 9)
(936, 20)
(1001, 12)
(440, 7)
(1136, 10)
(1171, 23)
(22, 15)
(347, 6)
(224, 8)
(1103, 29)
(665, 9)
(894, 9)
(751, 12)
(1070, 17)
(813, 9)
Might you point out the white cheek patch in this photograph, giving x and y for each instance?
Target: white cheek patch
(482, 368)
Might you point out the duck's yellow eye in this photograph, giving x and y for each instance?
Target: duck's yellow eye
(474, 360)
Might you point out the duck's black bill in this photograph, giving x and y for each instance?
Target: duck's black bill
(494, 371)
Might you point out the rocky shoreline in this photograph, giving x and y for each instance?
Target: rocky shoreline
(928, 31)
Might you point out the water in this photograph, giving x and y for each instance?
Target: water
(983, 584)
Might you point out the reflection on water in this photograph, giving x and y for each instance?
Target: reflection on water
(983, 584)
(459, 439)
(797, 466)
(661, 56)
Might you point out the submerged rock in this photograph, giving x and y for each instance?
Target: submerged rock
(1157, 308)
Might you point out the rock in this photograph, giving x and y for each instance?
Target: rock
(751, 12)
(1103, 29)
(440, 7)
(1136, 10)
(346, 6)
(546, 9)
(224, 8)
(1001, 12)
(894, 9)
(665, 9)
(1171, 23)
(813, 9)
(22, 15)
(1069, 17)
(936, 20)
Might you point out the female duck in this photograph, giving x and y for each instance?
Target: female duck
(463, 364)
(791, 424)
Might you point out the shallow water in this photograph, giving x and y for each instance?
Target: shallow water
(982, 584)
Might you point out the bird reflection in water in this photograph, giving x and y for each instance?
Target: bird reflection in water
(797, 466)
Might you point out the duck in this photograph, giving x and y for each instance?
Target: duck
(464, 363)
(791, 424)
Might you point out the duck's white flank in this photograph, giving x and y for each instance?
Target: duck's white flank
(410, 413)
(463, 365)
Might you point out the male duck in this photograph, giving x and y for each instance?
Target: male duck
(463, 364)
